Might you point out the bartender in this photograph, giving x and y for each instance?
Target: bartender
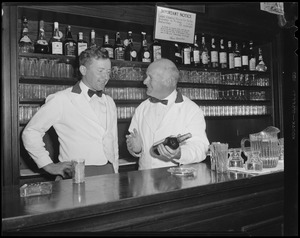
(166, 112)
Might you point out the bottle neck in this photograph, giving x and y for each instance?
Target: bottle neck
(184, 137)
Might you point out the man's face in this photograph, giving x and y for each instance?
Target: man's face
(96, 73)
(155, 82)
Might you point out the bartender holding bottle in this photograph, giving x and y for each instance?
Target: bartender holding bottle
(166, 112)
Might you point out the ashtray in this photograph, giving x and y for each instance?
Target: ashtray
(181, 171)
(35, 189)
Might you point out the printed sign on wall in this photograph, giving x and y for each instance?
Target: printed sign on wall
(174, 25)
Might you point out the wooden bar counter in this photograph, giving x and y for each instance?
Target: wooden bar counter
(152, 200)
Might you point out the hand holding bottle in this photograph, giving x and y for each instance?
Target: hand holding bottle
(134, 141)
(166, 153)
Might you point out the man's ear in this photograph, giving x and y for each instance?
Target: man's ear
(82, 69)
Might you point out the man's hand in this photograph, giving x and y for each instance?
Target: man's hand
(167, 154)
(64, 169)
(134, 141)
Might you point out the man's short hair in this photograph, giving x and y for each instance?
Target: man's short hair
(92, 53)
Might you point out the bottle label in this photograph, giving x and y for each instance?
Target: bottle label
(231, 60)
(204, 57)
(110, 52)
(57, 48)
(25, 39)
(214, 56)
(119, 53)
(252, 63)
(42, 42)
(237, 62)
(244, 59)
(196, 56)
(223, 57)
(156, 52)
(81, 47)
(186, 56)
(126, 42)
(70, 49)
(133, 54)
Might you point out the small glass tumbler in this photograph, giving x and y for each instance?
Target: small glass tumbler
(78, 173)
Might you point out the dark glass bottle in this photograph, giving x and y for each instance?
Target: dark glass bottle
(214, 54)
(237, 57)
(69, 44)
(196, 53)
(41, 45)
(261, 66)
(178, 57)
(130, 53)
(155, 50)
(81, 44)
(144, 53)
(204, 53)
(223, 55)
(245, 56)
(106, 45)
(56, 44)
(172, 141)
(93, 39)
(119, 48)
(25, 43)
(252, 58)
(230, 55)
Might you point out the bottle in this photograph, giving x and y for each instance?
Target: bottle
(214, 54)
(204, 53)
(69, 44)
(245, 57)
(196, 53)
(155, 50)
(223, 55)
(172, 141)
(129, 53)
(108, 46)
(118, 48)
(230, 56)
(25, 43)
(237, 57)
(82, 45)
(41, 45)
(186, 54)
(178, 57)
(93, 39)
(56, 44)
(252, 58)
(144, 53)
(261, 66)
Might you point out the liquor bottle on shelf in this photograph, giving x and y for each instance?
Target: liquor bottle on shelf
(130, 53)
(56, 44)
(69, 43)
(186, 54)
(41, 45)
(93, 39)
(106, 45)
(118, 48)
(252, 58)
(81, 44)
(144, 53)
(171, 141)
(237, 57)
(223, 55)
(178, 57)
(204, 53)
(25, 43)
(230, 55)
(196, 53)
(261, 66)
(245, 57)
(214, 54)
(155, 50)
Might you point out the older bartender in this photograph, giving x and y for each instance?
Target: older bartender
(84, 118)
(167, 112)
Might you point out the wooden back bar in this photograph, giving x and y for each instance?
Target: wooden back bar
(152, 200)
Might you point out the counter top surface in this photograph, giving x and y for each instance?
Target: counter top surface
(104, 190)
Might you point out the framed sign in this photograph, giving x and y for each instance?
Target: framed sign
(174, 25)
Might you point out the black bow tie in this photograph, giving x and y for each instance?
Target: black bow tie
(155, 100)
(98, 93)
